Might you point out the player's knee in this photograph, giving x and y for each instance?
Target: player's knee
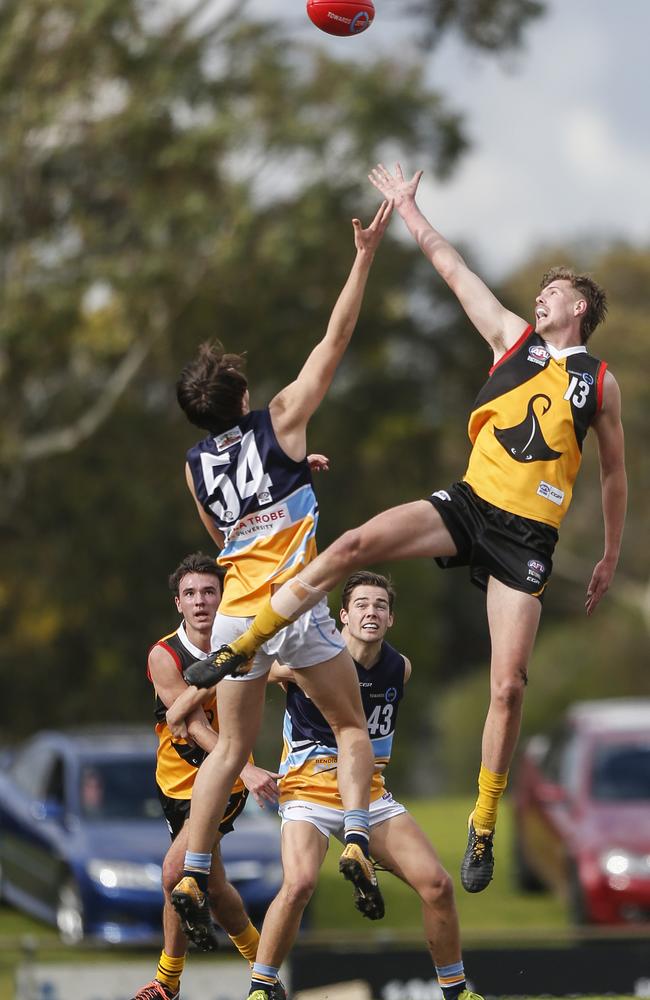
(172, 873)
(437, 890)
(508, 692)
(298, 889)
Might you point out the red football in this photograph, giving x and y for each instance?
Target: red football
(341, 17)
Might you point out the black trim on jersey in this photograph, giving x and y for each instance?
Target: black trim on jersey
(174, 645)
(514, 371)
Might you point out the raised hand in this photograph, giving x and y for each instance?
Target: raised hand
(369, 239)
(393, 186)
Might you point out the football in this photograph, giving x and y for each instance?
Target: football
(341, 17)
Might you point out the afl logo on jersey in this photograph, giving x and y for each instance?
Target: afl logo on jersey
(538, 354)
(391, 694)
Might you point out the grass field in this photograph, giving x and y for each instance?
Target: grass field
(500, 915)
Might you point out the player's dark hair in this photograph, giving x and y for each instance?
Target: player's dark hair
(594, 295)
(211, 388)
(196, 562)
(364, 578)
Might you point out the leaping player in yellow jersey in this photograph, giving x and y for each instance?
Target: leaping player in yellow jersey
(196, 586)
(310, 804)
(252, 485)
(527, 428)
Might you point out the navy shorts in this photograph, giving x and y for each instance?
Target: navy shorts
(515, 550)
(177, 810)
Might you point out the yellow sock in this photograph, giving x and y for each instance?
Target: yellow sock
(169, 970)
(491, 787)
(247, 941)
(267, 622)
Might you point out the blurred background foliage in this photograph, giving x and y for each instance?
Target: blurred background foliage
(169, 178)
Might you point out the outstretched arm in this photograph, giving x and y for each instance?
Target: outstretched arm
(613, 481)
(500, 327)
(294, 405)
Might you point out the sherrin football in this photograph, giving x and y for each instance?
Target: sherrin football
(341, 17)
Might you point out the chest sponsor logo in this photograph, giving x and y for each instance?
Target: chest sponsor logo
(538, 355)
(228, 439)
(551, 493)
(261, 523)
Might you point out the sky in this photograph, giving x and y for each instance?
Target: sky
(560, 131)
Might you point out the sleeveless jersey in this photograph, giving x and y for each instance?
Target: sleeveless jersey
(310, 755)
(528, 424)
(177, 762)
(264, 505)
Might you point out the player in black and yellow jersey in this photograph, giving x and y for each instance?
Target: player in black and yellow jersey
(196, 586)
(527, 428)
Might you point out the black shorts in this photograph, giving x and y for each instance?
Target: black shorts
(177, 810)
(492, 542)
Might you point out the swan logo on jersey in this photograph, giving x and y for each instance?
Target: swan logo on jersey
(538, 354)
(391, 694)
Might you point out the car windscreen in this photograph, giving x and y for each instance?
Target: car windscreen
(621, 773)
(122, 788)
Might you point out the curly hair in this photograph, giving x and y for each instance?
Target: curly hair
(211, 388)
(593, 294)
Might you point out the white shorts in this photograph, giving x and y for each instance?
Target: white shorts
(313, 638)
(330, 821)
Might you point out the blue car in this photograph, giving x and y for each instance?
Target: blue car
(82, 837)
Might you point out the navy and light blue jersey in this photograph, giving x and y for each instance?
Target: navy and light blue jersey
(310, 755)
(262, 502)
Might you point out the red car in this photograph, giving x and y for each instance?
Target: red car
(582, 812)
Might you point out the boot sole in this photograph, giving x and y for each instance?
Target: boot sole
(367, 897)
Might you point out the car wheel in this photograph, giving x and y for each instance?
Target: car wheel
(69, 913)
(524, 877)
(578, 911)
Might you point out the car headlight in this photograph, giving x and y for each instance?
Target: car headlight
(125, 874)
(247, 871)
(621, 862)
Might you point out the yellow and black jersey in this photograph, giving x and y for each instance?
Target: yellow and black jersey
(178, 761)
(528, 424)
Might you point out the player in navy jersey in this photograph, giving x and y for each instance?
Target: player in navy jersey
(310, 804)
(252, 486)
(544, 391)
